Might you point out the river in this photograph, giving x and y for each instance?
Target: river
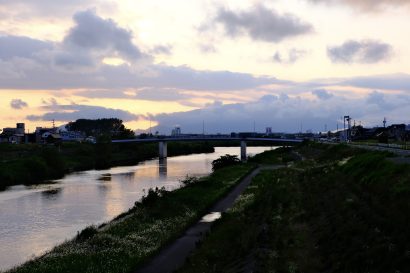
(33, 219)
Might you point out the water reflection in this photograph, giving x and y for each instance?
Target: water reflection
(52, 194)
(36, 218)
(163, 168)
(211, 217)
(105, 177)
(128, 176)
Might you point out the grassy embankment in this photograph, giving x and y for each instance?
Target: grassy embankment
(29, 164)
(340, 210)
(125, 243)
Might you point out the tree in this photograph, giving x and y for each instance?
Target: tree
(113, 127)
(225, 161)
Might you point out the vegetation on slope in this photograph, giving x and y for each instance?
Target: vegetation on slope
(339, 210)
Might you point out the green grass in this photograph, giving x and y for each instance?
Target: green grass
(262, 231)
(122, 245)
(280, 155)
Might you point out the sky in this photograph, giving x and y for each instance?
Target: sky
(228, 64)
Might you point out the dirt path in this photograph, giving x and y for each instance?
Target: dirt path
(174, 256)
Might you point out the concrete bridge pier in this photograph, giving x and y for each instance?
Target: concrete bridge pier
(243, 151)
(162, 150)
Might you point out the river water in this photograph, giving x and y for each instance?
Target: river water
(33, 219)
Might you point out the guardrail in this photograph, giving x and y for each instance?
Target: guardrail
(383, 145)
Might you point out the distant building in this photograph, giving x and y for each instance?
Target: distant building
(268, 130)
(47, 135)
(75, 136)
(20, 128)
(13, 135)
(397, 132)
(176, 131)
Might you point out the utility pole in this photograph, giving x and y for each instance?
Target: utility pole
(347, 134)
(203, 127)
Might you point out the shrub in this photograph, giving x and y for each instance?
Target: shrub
(152, 196)
(225, 161)
(86, 233)
(189, 180)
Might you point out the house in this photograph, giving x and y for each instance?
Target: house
(397, 132)
(13, 135)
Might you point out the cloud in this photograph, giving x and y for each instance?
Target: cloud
(262, 24)
(162, 49)
(286, 113)
(291, 57)
(160, 95)
(386, 82)
(366, 52)
(166, 94)
(18, 104)
(184, 77)
(77, 62)
(207, 48)
(322, 94)
(57, 10)
(76, 111)
(365, 5)
(72, 60)
(22, 47)
(92, 32)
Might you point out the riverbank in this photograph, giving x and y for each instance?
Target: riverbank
(33, 164)
(154, 222)
(340, 209)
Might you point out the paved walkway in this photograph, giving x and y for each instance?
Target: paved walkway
(174, 256)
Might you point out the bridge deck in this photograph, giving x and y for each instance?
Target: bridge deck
(171, 139)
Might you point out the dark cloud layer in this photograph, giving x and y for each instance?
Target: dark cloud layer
(76, 111)
(281, 113)
(285, 114)
(262, 24)
(386, 82)
(366, 52)
(22, 47)
(160, 95)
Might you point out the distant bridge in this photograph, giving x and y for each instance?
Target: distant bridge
(163, 142)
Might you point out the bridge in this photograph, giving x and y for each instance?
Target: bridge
(162, 147)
